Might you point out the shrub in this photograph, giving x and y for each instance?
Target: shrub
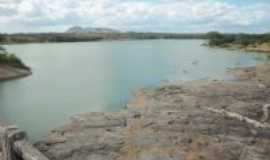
(2, 38)
(11, 59)
(218, 39)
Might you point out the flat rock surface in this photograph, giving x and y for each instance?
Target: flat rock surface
(199, 120)
(96, 136)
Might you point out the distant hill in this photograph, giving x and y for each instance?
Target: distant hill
(78, 29)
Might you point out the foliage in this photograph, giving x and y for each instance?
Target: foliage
(82, 37)
(2, 38)
(11, 59)
(219, 39)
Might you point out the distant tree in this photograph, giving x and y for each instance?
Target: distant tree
(214, 35)
(218, 39)
(266, 37)
(2, 38)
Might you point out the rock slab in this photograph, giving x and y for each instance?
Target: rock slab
(199, 120)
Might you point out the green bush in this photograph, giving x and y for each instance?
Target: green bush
(11, 59)
(2, 38)
(219, 39)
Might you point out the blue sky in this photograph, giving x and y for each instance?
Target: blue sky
(136, 15)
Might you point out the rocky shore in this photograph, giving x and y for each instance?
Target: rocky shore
(2, 124)
(8, 72)
(263, 47)
(199, 120)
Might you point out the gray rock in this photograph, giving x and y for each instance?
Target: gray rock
(172, 122)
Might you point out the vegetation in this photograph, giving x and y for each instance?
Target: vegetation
(2, 38)
(215, 38)
(218, 39)
(82, 37)
(11, 60)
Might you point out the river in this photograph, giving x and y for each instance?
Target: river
(72, 78)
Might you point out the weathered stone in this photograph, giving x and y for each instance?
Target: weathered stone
(199, 120)
(87, 136)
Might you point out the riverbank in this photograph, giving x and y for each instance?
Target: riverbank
(92, 37)
(8, 72)
(263, 47)
(246, 42)
(193, 120)
(11, 66)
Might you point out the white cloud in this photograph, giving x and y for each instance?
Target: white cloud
(147, 15)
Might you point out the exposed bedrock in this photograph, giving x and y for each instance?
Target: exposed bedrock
(199, 120)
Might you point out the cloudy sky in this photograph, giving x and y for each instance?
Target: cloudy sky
(136, 15)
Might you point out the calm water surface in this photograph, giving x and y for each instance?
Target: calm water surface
(71, 78)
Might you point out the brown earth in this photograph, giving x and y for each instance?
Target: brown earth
(264, 47)
(8, 72)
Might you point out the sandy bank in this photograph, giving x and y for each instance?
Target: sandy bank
(191, 121)
(264, 47)
(8, 72)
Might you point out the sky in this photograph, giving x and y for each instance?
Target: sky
(136, 15)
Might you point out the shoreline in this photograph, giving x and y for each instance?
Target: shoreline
(189, 120)
(259, 48)
(10, 73)
(103, 40)
(193, 120)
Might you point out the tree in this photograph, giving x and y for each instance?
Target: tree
(218, 39)
(2, 38)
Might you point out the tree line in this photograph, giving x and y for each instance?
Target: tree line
(82, 37)
(244, 39)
